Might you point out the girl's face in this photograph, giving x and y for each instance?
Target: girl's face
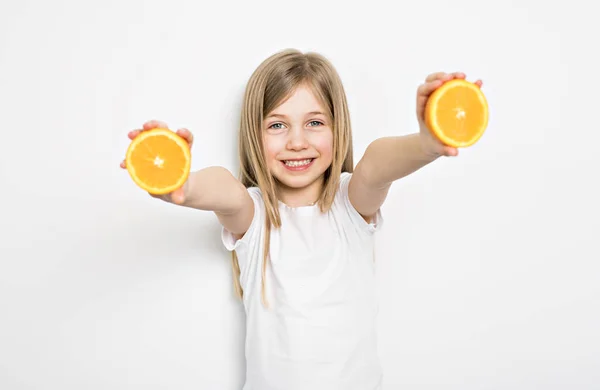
(298, 143)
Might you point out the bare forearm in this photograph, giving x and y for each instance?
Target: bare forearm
(391, 158)
(214, 189)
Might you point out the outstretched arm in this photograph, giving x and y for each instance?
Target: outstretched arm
(216, 189)
(391, 158)
(212, 189)
(385, 160)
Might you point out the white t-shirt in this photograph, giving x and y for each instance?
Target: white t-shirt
(319, 332)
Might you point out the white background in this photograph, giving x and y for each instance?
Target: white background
(488, 265)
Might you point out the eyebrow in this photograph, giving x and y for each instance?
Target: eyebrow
(310, 113)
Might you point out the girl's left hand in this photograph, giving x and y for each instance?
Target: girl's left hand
(432, 146)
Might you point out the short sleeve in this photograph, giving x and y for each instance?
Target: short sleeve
(229, 240)
(355, 217)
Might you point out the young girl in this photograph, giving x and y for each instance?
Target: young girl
(300, 223)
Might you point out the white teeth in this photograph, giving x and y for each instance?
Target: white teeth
(298, 163)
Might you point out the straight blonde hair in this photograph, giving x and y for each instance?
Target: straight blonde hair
(273, 82)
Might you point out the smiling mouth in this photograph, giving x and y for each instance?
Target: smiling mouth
(297, 163)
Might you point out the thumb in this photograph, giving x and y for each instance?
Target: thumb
(450, 151)
(178, 196)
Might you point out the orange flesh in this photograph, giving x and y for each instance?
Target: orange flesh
(159, 162)
(457, 113)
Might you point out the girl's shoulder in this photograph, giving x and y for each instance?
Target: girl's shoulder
(343, 204)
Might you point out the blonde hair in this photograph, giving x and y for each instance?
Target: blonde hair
(271, 84)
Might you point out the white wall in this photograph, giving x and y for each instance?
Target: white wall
(489, 273)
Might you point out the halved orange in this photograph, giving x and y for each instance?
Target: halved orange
(457, 113)
(158, 161)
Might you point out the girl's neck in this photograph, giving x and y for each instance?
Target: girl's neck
(300, 197)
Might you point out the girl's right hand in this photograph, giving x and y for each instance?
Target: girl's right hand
(177, 196)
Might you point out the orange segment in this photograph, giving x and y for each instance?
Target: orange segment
(457, 113)
(158, 161)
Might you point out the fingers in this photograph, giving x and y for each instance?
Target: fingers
(435, 80)
(426, 89)
(447, 76)
(155, 124)
(187, 135)
(457, 75)
(436, 76)
(134, 133)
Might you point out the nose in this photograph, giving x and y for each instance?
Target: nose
(297, 139)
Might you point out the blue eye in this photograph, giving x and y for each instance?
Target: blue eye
(276, 124)
(317, 123)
